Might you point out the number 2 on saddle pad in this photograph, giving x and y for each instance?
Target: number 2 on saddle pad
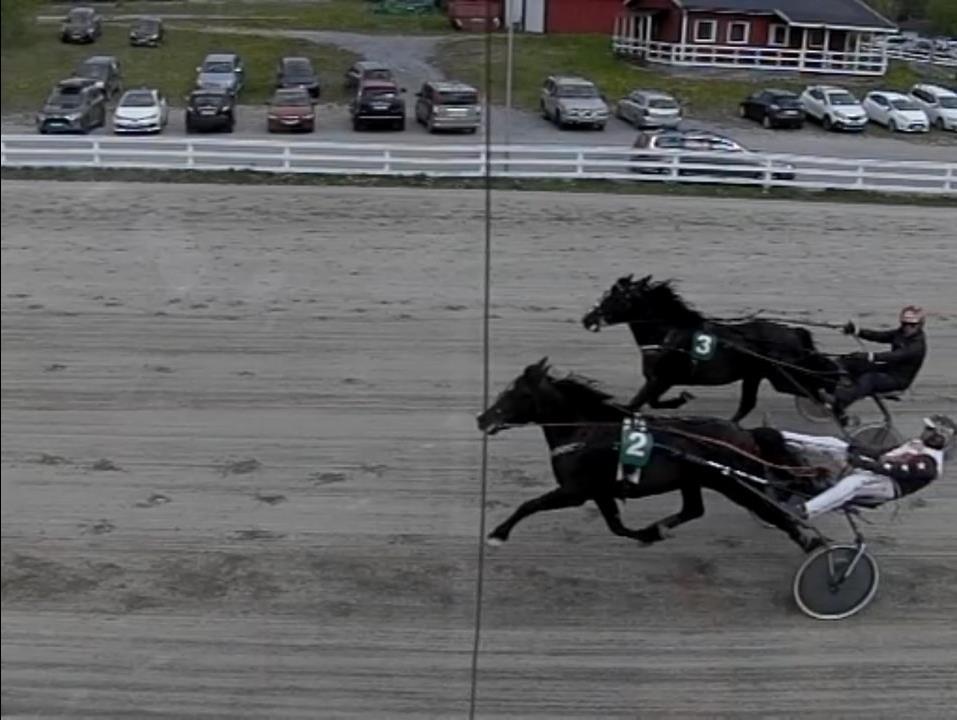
(703, 345)
(636, 445)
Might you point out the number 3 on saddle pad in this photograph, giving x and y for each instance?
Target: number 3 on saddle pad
(703, 345)
(636, 444)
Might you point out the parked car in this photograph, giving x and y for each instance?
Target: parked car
(104, 71)
(291, 109)
(221, 71)
(297, 72)
(567, 100)
(143, 110)
(210, 109)
(81, 25)
(448, 105)
(378, 102)
(688, 147)
(74, 105)
(939, 103)
(146, 32)
(649, 109)
(367, 70)
(834, 107)
(774, 108)
(895, 111)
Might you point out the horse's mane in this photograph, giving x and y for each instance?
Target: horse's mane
(672, 307)
(581, 390)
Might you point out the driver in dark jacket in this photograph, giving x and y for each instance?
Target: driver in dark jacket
(883, 372)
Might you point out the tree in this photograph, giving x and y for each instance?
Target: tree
(943, 16)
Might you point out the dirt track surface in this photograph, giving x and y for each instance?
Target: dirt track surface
(240, 469)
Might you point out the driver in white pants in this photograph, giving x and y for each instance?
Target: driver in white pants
(881, 477)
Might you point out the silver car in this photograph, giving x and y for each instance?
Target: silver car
(568, 100)
(221, 71)
(649, 109)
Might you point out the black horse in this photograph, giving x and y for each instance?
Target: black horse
(583, 429)
(680, 346)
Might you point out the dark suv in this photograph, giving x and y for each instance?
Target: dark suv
(75, 105)
(104, 71)
(210, 109)
(297, 72)
(378, 102)
(448, 106)
(82, 25)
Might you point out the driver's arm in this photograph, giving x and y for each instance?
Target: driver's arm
(878, 336)
(832, 446)
(911, 351)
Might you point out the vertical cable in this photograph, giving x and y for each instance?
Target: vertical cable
(486, 356)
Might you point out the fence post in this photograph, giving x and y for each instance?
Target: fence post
(387, 159)
(949, 178)
(96, 152)
(673, 170)
(286, 157)
(3, 152)
(190, 159)
(859, 177)
(482, 161)
(767, 176)
(580, 163)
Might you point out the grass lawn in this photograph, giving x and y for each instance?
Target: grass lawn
(31, 68)
(355, 15)
(707, 92)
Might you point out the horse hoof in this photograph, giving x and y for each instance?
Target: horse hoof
(494, 541)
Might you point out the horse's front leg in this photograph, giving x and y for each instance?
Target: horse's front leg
(671, 403)
(650, 392)
(610, 511)
(553, 500)
(692, 507)
(749, 397)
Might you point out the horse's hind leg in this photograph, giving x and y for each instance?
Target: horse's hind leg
(692, 507)
(749, 397)
(554, 500)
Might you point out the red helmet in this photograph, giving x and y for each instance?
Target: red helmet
(912, 315)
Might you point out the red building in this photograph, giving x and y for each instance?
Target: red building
(827, 36)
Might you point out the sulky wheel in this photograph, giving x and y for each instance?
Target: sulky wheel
(812, 410)
(878, 436)
(835, 582)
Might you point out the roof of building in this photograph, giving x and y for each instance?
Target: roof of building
(809, 13)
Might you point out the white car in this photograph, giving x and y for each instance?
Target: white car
(141, 111)
(834, 107)
(939, 103)
(897, 112)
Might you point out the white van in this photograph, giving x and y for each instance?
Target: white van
(939, 103)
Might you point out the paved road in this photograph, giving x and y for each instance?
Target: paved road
(239, 464)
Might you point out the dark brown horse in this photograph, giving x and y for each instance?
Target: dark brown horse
(583, 429)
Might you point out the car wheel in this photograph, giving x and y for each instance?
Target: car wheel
(559, 120)
(891, 125)
(400, 124)
(939, 123)
(430, 125)
(827, 122)
(544, 111)
(357, 125)
(767, 122)
(599, 126)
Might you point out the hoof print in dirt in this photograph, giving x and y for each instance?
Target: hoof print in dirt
(101, 527)
(240, 467)
(257, 534)
(327, 478)
(54, 367)
(270, 499)
(153, 500)
(105, 465)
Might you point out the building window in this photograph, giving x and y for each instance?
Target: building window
(779, 35)
(705, 31)
(815, 39)
(738, 32)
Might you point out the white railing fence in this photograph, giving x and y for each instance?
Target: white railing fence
(469, 161)
(940, 59)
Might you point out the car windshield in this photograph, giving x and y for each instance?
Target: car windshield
(67, 98)
(949, 102)
(662, 104)
(786, 100)
(93, 70)
(577, 91)
(905, 105)
(379, 92)
(296, 99)
(458, 98)
(297, 68)
(217, 66)
(79, 16)
(841, 98)
(146, 25)
(377, 74)
(137, 99)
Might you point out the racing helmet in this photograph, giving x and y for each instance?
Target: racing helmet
(912, 315)
(939, 432)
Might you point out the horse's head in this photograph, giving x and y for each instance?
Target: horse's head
(620, 303)
(521, 402)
